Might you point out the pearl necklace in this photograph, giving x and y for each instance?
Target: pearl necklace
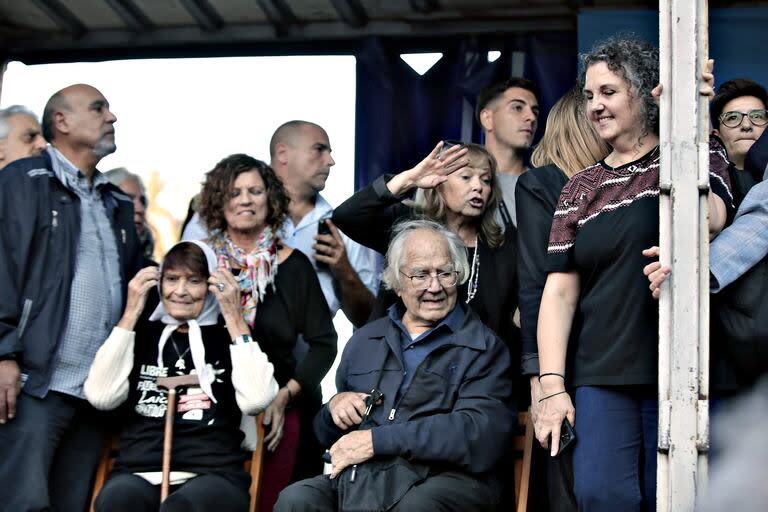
(474, 274)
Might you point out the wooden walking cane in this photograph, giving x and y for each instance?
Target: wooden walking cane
(171, 383)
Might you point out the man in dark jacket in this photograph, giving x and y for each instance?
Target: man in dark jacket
(69, 248)
(428, 383)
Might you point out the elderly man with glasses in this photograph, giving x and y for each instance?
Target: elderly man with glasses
(424, 397)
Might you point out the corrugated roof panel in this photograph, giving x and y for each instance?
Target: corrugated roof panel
(166, 13)
(387, 9)
(25, 15)
(96, 15)
(314, 10)
(240, 11)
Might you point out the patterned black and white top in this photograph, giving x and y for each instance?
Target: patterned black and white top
(605, 217)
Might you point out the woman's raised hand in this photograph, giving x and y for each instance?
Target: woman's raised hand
(431, 171)
(224, 287)
(706, 88)
(138, 289)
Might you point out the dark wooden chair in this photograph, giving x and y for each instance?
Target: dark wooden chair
(523, 447)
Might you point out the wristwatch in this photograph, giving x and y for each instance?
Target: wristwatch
(242, 339)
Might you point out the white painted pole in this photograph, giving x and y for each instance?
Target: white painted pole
(684, 305)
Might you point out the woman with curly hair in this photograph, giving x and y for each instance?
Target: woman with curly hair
(243, 204)
(596, 295)
(569, 145)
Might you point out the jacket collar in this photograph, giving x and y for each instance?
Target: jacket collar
(469, 331)
(68, 173)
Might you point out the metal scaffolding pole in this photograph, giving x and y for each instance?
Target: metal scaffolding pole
(684, 305)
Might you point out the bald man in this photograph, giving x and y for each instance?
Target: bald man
(300, 153)
(20, 134)
(71, 247)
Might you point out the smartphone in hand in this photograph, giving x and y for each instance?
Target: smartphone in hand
(322, 229)
(567, 436)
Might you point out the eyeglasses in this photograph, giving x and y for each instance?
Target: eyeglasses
(447, 279)
(758, 117)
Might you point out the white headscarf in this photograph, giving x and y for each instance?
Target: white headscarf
(208, 316)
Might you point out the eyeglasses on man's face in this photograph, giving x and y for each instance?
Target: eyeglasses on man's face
(422, 281)
(758, 117)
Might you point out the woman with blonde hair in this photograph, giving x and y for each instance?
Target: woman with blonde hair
(455, 185)
(569, 144)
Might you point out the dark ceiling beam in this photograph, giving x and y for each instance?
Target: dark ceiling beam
(279, 15)
(351, 12)
(62, 16)
(204, 14)
(425, 6)
(312, 37)
(130, 13)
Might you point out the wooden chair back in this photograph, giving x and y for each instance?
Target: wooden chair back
(252, 465)
(523, 447)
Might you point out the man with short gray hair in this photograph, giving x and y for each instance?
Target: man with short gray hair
(20, 134)
(132, 185)
(424, 409)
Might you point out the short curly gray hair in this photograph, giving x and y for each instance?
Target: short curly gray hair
(393, 279)
(638, 63)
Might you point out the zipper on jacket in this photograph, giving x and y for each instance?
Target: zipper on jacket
(25, 312)
(55, 218)
(122, 233)
(392, 412)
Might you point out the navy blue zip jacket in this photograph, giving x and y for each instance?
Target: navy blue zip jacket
(458, 410)
(39, 233)
(757, 157)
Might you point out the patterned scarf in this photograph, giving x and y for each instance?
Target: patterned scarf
(258, 268)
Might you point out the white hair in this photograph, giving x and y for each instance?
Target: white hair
(393, 279)
(5, 115)
(120, 175)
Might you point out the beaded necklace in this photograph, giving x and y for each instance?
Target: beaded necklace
(474, 274)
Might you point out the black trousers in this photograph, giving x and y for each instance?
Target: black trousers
(126, 492)
(48, 454)
(309, 459)
(449, 491)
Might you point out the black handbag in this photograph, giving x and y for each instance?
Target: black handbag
(377, 485)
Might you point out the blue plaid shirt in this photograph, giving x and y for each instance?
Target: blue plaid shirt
(744, 243)
(95, 301)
